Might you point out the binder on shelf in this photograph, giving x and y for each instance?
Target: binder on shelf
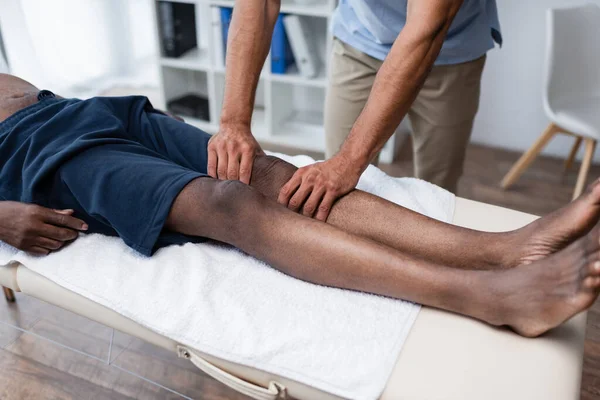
(302, 45)
(281, 53)
(217, 30)
(177, 27)
(226, 14)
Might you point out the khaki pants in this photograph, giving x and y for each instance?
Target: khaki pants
(441, 116)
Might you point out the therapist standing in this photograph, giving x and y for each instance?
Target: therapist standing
(390, 58)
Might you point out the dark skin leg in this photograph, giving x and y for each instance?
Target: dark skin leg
(372, 217)
(531, 299)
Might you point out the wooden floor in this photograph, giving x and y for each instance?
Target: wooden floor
(35, 368)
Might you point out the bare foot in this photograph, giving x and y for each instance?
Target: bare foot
(537, 297)
(557, 230)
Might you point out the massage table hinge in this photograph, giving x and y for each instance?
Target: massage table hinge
(275, 391)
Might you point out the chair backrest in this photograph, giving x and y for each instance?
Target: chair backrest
(572, 54)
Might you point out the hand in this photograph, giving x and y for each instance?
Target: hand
(36, 229)
(231, 153)
(316, 187)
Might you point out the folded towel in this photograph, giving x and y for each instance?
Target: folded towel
(221, 302)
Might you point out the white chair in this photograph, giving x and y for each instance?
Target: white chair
(572, 87)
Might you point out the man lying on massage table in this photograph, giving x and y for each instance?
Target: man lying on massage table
(129, 170)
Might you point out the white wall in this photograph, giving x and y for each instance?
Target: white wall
(68, 45)
(511, 114)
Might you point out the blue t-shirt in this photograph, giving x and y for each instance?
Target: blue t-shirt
(372, 26)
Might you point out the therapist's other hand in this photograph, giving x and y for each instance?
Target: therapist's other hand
(231, 153)
(36, 229)
(315, 188)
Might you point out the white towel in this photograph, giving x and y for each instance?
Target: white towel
(222, 302)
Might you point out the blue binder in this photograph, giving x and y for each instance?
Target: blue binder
(281, 51)
(226, 14)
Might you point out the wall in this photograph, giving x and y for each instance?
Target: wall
(70, 45)
(511, 114)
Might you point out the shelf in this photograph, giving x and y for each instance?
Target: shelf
(197, 59)
(317, 9)
(313, 141)
(288, 107)
(259, 126)
(293, 76)
(303, 129)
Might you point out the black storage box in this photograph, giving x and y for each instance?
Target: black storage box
(190, 105)
(177, 23)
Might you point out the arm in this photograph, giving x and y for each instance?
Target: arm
(400, 78)
(36, 229)
(232, 150)
(315, 188)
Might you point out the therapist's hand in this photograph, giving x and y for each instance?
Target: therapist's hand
(231, 153)
(36, 229)
(315, 188)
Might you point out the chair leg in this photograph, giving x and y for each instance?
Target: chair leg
(573, 153)
(527, 158)
(590, 147)
(9, 294)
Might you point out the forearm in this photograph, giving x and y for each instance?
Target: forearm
(248, 44)
(400, 78)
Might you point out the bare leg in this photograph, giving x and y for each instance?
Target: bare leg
(372, 217)
(531, 299)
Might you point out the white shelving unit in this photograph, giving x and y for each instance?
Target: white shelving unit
(289, 108)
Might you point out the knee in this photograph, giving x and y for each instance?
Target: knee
(220, 210)
(269, 174)
(233, 198)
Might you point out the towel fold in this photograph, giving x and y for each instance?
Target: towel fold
(221, 302)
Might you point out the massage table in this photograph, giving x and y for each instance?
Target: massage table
(446, 356)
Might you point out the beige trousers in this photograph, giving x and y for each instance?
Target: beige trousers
(441, 116)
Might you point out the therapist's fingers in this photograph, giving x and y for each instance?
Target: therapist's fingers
(64, 219)
(325, 207)
(222, 164)
(310, 206)
(300, 196)
(233, 167)
(212, 163)
(288, 190)
(246, 168)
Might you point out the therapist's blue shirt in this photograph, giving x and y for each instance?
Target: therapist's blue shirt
(371, 26)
